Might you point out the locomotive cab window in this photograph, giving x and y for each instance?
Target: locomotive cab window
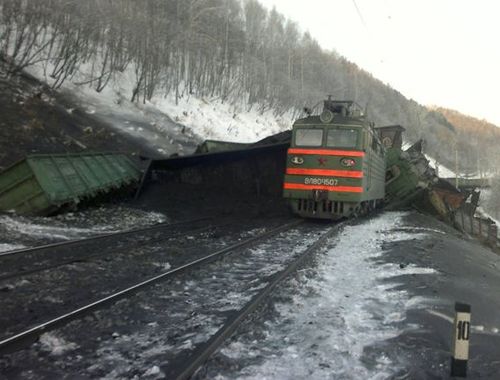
(342, 138)
(309, 137)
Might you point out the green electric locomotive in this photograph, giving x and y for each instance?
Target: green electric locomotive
(335, 164)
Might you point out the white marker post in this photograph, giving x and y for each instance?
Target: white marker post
(461, 340)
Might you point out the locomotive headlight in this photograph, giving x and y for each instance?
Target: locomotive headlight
(297, 160)
(348, 162)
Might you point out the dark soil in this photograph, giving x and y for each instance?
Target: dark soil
(468, 273)
(35, 119)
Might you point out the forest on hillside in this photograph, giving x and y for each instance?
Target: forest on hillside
(230, 49)
(478, 139)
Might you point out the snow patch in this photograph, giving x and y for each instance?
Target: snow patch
(219, 120)
(394, 270)
(114, 360)
(91, 222)
(26, 227)
(163, 266)
(420, 229)
(4, 247)
(153, 371)
(441, 170)
(55, 345)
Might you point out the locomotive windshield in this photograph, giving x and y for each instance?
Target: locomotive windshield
(342, 138)
(309, 137)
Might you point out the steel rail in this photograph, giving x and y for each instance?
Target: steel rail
(83, 258)
(21, 339)
(98, 237)
(203, 353)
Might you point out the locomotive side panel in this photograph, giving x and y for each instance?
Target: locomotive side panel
(374, 168)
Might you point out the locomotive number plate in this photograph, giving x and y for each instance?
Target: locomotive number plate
(321, 181)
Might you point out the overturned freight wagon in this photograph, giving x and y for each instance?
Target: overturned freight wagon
(411, 182)
(243, 181)
(44, 184)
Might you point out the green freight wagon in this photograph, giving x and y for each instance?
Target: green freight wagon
(43, 184)
(403, 180)
(411, 182)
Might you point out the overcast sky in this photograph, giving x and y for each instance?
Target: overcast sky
(438, 52)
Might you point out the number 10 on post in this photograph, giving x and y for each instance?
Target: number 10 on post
(461, 340)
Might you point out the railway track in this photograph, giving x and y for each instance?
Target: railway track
(201, 354)
(197, 303)
(22, 338)
(31, 299)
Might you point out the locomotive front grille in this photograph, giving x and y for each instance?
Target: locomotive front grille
(312, 206)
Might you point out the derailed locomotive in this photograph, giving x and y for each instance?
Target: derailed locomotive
(336, 163)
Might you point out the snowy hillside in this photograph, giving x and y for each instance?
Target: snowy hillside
(213, 119)
(163, 124)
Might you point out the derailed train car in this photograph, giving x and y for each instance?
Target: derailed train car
(336, 163)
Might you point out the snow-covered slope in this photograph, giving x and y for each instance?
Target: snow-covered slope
(163, 124)
(214, 119)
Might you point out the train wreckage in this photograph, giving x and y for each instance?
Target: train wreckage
(251, 170)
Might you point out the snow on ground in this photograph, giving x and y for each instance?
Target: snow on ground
(480, 211)
(4, 247)
(164, 265)
(347, 305)
(55, 345)
(487, 207)
(218, 120)
(441, 170)
(17, 231)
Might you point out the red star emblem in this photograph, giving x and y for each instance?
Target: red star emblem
(322, 161)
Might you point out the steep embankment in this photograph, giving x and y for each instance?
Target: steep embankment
(36, 119)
